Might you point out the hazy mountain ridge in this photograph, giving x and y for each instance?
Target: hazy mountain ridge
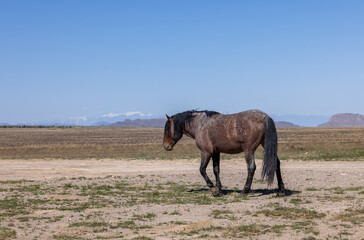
(337, 120)
(159, 122)
(345, 120)
(301, 120)
(285, 124)
(154, 122)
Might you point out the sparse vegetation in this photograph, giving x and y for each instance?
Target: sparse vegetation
(328, 144)
(68, 237)
(6, 233)
(27, 197)
(292, 213)
(89, 224)
(221, 214)
(354, 216)
(306, 227)
(247, 231)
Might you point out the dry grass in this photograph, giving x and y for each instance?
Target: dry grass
(146, 143)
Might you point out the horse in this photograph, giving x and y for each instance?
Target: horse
(216, 133)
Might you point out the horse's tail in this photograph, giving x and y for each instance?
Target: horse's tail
(270, 150)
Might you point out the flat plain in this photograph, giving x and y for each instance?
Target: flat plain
(119, 183)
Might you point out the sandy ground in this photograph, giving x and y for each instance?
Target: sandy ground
(334, 189)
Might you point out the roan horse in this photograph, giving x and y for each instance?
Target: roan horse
(216, 133)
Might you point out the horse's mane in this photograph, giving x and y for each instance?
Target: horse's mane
(186, 117)
(180, 119)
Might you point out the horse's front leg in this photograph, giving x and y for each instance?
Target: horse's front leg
(216, 163)
(205, 159)
(249, 158)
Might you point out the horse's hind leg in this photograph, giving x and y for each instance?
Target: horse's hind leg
(249, 158)
(205, 159)
(216, 162)
(281, 191)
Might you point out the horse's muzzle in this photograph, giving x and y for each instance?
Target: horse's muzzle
(168, 148)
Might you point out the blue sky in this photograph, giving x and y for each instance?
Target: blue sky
(86, 59)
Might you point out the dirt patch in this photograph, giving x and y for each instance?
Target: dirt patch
(162, 199)
(45, 169)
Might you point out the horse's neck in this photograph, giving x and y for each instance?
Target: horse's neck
(192, 126)
(188, 130)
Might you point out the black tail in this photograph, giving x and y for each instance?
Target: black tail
(270, 150)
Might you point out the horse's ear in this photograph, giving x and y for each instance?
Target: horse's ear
(168, 117)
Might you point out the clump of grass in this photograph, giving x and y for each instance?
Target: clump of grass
(244, 231)
(291, 213)
(89, 224)
(15, 182)
(79, 206)
(190, 233)
(306, 227)
(125, 224)
(142, 238)
(6, 233)
(309, 238)
(353, 189)
(203, 236)
(255, 180)
(220, 214)
(175, 212)
(338, 190)
(144, 217)
(111, 237)
(200, 231)
(296, 200)
(312, 189)
(95, 225)
(355, 216)
(48, 219)
(70, 186)
(13, 206)
(68, 237)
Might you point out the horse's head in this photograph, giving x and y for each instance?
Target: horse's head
(171, 134)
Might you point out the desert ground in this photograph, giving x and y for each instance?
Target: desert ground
(167, 199)
(67, 195)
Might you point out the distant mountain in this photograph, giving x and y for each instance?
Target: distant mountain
(100, 124)
(156, 122)
(301, 120)
(345, 120)
(285, 124)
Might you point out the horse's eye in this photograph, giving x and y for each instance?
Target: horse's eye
(167, 128)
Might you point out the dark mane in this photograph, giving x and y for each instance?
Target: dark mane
(186, 117)
(183, 118)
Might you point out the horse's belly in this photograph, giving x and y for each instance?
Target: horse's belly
(229, 148)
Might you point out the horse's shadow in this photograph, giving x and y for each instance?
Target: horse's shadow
(252, 193)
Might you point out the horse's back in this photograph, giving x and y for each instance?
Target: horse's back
(252, 115)
(249, 125)
(233, 133)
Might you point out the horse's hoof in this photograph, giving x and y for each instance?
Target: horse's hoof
(245, 192)
(281, 193)
(215, 191)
